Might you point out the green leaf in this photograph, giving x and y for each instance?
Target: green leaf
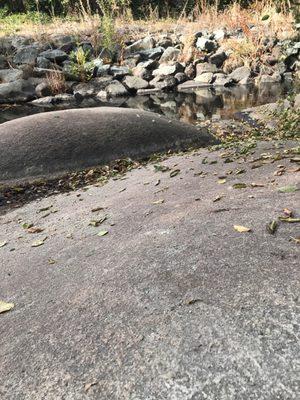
(102, 233)
(4, 307)
(239, 186)
(26, 225)
(288, 189)
(265, 17)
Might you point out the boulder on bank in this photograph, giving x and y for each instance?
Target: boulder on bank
(53, 143)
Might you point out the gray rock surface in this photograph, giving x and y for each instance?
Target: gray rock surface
(135, 83)
(10, 75)
(240, 74)
(55, 142)
(172, 303)
(26, 55)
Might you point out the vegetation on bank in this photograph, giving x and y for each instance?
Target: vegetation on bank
(44, 16)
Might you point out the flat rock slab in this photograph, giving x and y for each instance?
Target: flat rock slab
(50, 144)
(172, 303)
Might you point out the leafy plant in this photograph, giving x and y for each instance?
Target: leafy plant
(80, 66)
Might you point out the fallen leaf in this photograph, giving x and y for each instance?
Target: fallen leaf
(87, 386)
(241, 229)
(95, 209)
(254, 184)
(240, 171)
(4, 307)
(122, 190)
(44, 208)
(174, 173)
(221, 181)
(34, 229)
(288, 189)
(51, 261)
(38, 243)
(289, 219)
(218, 198)
(160, 201)
(296, 240)
(239, 186)
(272, 227)
(97, 222)
(102, 233)
(157, 182)
(3, 243)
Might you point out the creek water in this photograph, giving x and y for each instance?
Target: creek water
(191, 106)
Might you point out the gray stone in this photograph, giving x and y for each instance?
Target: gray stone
(116, 89)
(142, 73)
(47, 101)
(3, 62)
(135, 83)
(181, 77)
(42, 62)
(206, 44)
(262, 79)
(207, 77)
(53, 143)
(43, 89)
(164, 82)
(57, 56)
(240, 74)
(10, 75)
(151, 54)
(17, 91)
(132, 61)
(222, 80)
(218, 58)
(168, 69)
(170, 54)
(26, 55)
(165, 42)
(220, 34)
(119, 71)
(205, 67)
(143, 44)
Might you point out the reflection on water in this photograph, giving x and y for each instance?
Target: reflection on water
(191, 106)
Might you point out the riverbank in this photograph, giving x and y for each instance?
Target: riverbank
(67, 68)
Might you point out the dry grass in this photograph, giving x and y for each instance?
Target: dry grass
(210, 18)
(57, 82)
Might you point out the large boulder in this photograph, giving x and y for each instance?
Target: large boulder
(170, 54)
(135, 83)
(56, 55)
(17, 91)
(53, 143)
(241, 75)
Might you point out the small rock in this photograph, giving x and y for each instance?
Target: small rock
(116, 89)
(143, 44)
(206, 45)
(164, 82)
(26, 55)
(205, 67)
(135, 83)
(181, 77)
(43, 89)
(57, 56)
(207, 77)
(151, 54)
(240, 74)
(170, 54)
(218, 59)
(10, 75)
(168, 69)
(119, 71)
(17, 91)
(42, 62)
(275, 78)
(222, 80)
